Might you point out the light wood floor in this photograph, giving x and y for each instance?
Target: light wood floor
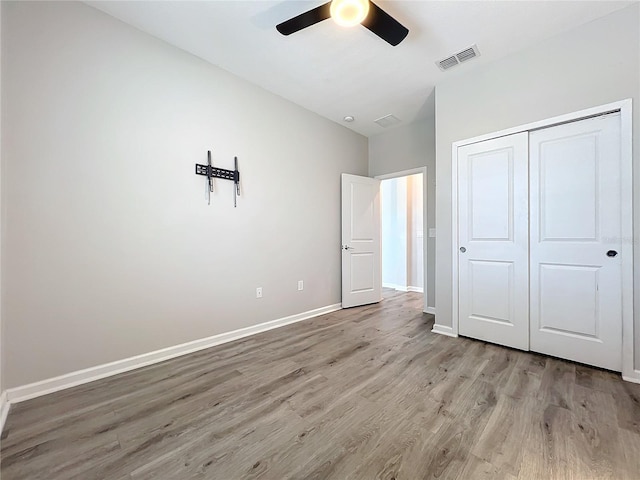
(365, 393)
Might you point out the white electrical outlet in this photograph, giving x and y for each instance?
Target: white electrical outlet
(300, 285)
(259, 292)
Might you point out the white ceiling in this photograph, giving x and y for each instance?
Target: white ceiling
(335, 71)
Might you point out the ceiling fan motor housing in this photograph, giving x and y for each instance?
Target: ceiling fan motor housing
(376, 20)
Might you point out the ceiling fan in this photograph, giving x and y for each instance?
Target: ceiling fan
(348, 13)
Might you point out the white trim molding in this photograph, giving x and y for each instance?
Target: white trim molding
(400, 288)
(443, 330)
(431, 310)
(629, 372)
(44, 387)
(4, 410)
(634, 377)
(403, 173)
(626, 174)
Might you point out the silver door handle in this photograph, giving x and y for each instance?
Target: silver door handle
(462, 249)
(347, 247)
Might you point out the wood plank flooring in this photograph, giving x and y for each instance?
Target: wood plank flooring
(364, 393)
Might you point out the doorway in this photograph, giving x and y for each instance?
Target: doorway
(403, 219)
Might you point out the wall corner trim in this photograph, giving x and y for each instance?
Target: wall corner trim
(633, 376)
(4, 410)
(442, 330)
(73, 379)
(400, 288)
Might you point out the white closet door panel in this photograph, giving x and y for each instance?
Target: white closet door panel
(491, 295)
(493, 301)
(570, 294)
(576, 296)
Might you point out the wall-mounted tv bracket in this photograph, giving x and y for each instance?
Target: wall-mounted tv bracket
(212, 172)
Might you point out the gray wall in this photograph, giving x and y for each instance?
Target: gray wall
(594, 64)
(404, 148)
(110, 248)
(1, 222)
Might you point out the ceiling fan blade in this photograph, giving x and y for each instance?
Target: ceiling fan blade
(384, 25)
(305, 19)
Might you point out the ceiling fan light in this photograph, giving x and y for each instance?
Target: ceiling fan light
(348, 13)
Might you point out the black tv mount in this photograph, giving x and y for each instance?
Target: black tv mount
(212, 172)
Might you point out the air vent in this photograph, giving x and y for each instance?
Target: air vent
(448, 62)
(467, 54)
(463, 56)
(387, 121)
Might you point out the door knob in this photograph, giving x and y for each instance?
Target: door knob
(347, 247)
(462, 249)
(611, 253)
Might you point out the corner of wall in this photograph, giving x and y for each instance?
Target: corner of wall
(2, 390)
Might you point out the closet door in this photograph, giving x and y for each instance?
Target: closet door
(576, 285)
(493, 292)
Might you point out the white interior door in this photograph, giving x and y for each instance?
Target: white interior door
(493, 294)
(576, 288)
(361, 259)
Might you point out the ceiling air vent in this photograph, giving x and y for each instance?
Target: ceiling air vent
(452, 61)
(463, 56)
(467, 54)
(387, 121)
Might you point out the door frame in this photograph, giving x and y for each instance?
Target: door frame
(629, 372)
(425, 227)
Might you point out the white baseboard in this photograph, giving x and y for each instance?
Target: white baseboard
(37, 389)
(403, 288)
(431, 310)
(400, 288)
(442, 330)
(4, 410)
(634, 377)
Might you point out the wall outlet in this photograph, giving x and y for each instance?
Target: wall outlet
(259, 292)
(300, 285)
